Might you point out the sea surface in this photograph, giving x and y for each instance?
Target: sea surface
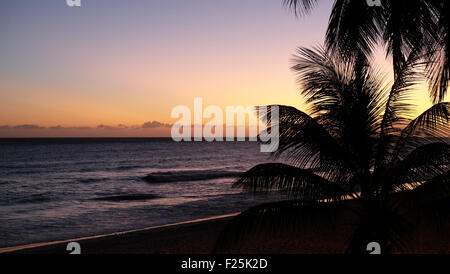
(56, 189)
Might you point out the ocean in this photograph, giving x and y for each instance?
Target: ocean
(57, 189)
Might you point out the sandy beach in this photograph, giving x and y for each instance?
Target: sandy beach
(196, 237)
(199, 237)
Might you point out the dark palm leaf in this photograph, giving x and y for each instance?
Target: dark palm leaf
(431, 126)
(353, 28)
(407, 25)
(298, 183)
(300, 7)
(397, 107)
(333, 86)
(306, 144)
(439, 73)
(404, 26)
(423, 164)
(347, 100)
(439, 47)
(408, 76)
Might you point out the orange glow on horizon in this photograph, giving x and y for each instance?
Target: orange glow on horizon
(104, 71)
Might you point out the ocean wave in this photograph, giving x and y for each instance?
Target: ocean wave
(189, 175)
(90, 180)
(30, 199)
(127, 167)
(7, 182)
(129, 197)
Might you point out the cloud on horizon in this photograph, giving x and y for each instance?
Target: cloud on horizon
(153, 124)
(150, 129)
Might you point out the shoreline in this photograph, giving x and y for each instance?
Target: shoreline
(104, 237)
(199, 237)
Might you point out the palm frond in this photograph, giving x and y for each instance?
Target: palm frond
(300, 184)
(330, 84)
(398, 107)
(353, 28)
(439, 47)
(300, 7)
(423, 164)
(407, 25)
(429, 127)
(306, 144)
(439, 72)
(346, 98)
(322, 76)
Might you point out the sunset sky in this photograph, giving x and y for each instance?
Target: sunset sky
(117, 68)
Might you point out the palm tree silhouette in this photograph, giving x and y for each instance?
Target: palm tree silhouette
(356, 140)
(402, 26)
